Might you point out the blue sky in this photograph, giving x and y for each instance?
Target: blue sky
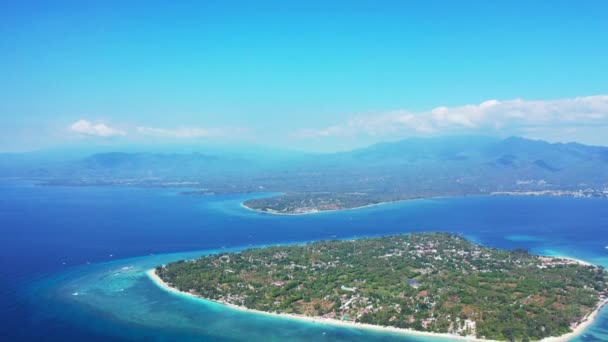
(308, 75)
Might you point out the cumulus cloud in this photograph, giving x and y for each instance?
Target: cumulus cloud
(190, 132)
(87, 128)
(493, 116)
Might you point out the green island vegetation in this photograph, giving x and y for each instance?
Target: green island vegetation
(434, 282)
(306, 203)
(314, 202)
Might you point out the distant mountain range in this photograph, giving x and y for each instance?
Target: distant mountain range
(408, 168)
(482, 162)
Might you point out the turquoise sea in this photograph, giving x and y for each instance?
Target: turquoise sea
(72, 259)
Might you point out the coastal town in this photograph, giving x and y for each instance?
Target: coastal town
(433, 282)
(580, 193)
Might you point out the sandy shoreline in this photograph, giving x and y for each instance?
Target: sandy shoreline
(331, 210)
(582, 262)
(580, 329)
(564, 338)
(160, 283)
(388, 202)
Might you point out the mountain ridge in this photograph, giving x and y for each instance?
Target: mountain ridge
(409, 168)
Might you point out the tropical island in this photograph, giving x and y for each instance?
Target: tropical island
(423, 282)
(316, 202)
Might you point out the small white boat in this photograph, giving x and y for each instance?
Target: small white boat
(75, 294)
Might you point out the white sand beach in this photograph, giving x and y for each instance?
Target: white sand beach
(564, 338)
(330, 210)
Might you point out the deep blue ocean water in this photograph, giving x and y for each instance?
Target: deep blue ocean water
(72, 259)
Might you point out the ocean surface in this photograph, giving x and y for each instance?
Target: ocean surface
(72, 259)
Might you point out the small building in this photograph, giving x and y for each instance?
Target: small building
(349, 289)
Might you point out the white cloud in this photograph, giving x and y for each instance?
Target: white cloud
(190, 132)
(87, 128)
(516, 117)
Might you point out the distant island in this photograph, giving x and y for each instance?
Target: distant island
(313, 182)
(435, 283)
(311, 203)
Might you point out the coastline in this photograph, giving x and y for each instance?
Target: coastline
(328, 321)
(582, 262)
(492, 194)
(334, 210)
(580, 329)
(588, 320)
